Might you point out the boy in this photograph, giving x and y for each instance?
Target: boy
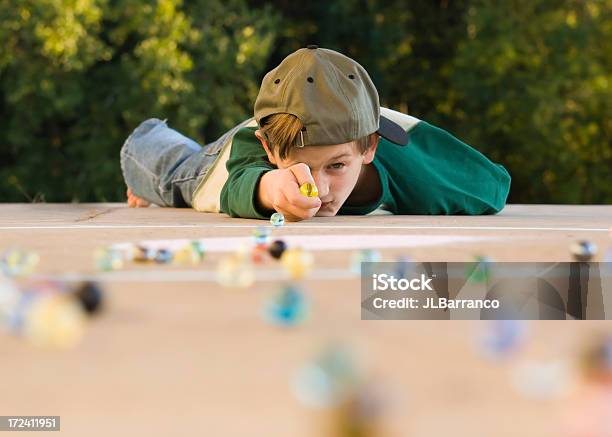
(317, 120)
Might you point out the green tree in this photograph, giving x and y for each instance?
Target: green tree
(76, 76)
(527, 82)
(535, 84)
(406, 47)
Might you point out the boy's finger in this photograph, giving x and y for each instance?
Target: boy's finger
(293, 215)
(288, 216)
(302, 173)
(294, 197)
(302, 212)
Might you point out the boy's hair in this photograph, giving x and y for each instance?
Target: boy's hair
(282, 130)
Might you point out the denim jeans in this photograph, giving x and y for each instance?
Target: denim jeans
(163, 166)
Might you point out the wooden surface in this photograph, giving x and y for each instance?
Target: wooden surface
(187, 357)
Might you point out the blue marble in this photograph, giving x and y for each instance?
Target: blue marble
(288, 308)
(277, 219)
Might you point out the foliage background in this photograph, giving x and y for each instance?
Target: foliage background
(528, 82)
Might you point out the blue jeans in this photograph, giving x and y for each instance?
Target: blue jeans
(163, 166)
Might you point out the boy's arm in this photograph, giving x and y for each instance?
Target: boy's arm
(239, 194)
(279, 190)
(439, 174)
(255, 188)
(474, 184)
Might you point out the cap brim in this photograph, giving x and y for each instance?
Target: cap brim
(392, 131)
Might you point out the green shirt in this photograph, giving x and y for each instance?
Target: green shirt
(435, 174)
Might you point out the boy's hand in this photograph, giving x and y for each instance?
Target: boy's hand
(134, 201)
(280, 190)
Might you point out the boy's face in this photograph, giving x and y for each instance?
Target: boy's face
(335, 169)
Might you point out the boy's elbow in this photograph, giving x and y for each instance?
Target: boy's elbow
(230, 212)
(492, 209)
(493, 203)
(224, 206)
(503, 189)
(227, 209)
(498, 201)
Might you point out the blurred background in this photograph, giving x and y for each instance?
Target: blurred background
(527, 82)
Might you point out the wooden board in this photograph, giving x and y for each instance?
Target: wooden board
(175, 354)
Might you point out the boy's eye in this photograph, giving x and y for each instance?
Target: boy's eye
(337, 165)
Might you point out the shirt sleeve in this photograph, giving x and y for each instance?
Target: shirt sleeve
(246, 165)
(439, 174)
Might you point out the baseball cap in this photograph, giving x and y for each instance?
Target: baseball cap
(330, 93)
